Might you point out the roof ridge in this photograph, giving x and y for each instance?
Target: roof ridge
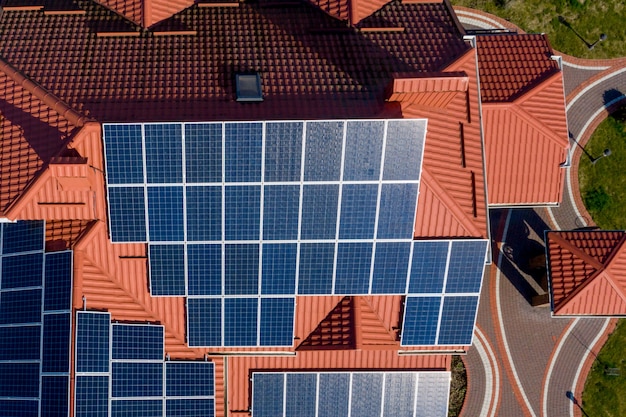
(540, 85)
(575, 250)
(374, 311)
(529, 119)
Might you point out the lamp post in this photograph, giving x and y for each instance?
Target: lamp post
(600, 39)
(605, 153)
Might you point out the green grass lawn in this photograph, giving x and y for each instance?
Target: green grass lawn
(588, 18)
(604, 394)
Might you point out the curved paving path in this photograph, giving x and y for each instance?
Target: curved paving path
(524, 362)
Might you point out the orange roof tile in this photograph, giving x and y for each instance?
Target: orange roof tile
(146, 13)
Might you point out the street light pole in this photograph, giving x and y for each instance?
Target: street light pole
(600, 39)
(605, 153)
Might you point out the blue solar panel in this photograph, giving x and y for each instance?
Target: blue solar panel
(403, 152)
(240, 318)
(467, 263)
(58, 288)
(301, 395)
(428, 267)
(23, 237)
(244, 144)
(55, 396)
(283, 151)
(367, 391)
(391, 264)
(334, 392)
(23, 306)
(19, 380)
(399, 394)
(190, 407)
(358, 211)
(319, 211)
(164, 153)
(396, 215)
(204, 318)
(167, 270)
(20, 343)
(127, 212)
(189, 379)
(242, 212)
(56, 342)
(203, 152)
(136, 379)
(204, 269)
(267, 395)
(457, 320)
(421, 316)
(19, 408)
(137, 342)
(324, 142)
(22, 271)
(281, 204)
(124, 154)
(354, 261)
(364, 147)
(316, 268)
(277, 315)
(92, 396)
(165, 214)
(279, 268)
(138, 408)
(204, 213)
(242, 269)
(92, 342)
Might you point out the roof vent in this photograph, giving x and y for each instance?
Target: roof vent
(249, 87)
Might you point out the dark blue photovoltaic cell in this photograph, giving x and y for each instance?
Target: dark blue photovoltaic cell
(58, 291)
(22, 271)
(204, 269)
(23, 236)
(319, 211)
(189, 379)
(324, 141)
(92, 342)
(137, 408)
(242, 212)
(403, 153)
(316, 268)
(92, 396)
(20, 343)
(127, 208)
(279, 268)
(277, 321)
(19, 408)
(391, 264)
(364, 148)
(54, 396)
(240, 321)
(56, 342)
(399, 394)
(396, 215)
(421, 316)
(167, 270)
(241, 269)
(190, 407)
(137, 342)
(283, 151)
(457, 320)
(23, 306)
(132, 379)
(204, 213)
(165, 214)
(467, 263)
(244, 144)
(281, 205)
(334, 392)
(204, 318)
(267, 394)
(123, 154)
(428, 267)
(301, 395)
(19, 380)
(354, 261)
(367, 389)
(164, 153)
(358, 211)
(203, 152)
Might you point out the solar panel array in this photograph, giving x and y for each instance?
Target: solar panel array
(121, 372)
(339, 394)
(35, 323)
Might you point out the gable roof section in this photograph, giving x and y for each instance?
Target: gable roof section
(587, 272)
(352, 11)
(147, 13)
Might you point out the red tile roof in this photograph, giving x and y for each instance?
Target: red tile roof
(147, 13)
